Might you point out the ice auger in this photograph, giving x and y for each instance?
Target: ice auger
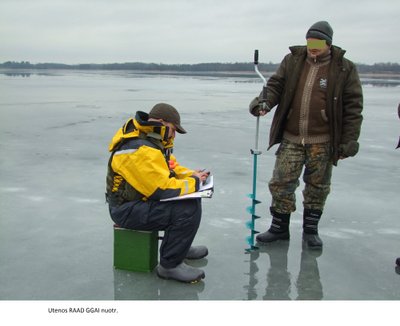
(255, 152)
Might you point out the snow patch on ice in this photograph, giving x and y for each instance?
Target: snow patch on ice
(231, 220)
(12, 189)
(36, 198)
(85, 200)
(353, 231)
(388, 231)
(336, 234)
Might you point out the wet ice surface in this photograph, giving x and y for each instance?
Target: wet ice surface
(56, 236)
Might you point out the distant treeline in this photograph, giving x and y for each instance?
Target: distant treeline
(377, 68)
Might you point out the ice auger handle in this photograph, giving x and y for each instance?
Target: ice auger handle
(256, 57)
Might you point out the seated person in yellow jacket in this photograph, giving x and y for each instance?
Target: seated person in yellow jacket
(141, 172)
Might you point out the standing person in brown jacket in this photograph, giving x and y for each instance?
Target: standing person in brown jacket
(317, 122)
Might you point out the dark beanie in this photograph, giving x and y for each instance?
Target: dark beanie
(321, 30)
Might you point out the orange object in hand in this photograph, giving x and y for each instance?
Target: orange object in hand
(172, 164)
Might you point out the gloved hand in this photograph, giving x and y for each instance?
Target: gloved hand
(258, 107)
(349, 149)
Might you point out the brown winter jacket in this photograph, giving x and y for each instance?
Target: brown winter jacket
(344, 99)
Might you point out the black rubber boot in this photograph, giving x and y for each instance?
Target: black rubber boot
(197, 252)
(181, 273)
(311, 219)
(313, 241)
(279, 229)
(397, 268)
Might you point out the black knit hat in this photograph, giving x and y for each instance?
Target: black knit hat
(322, 31)
(167, 113)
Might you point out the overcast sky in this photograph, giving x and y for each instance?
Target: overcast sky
(191, 31)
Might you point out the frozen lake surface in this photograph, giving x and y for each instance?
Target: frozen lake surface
(56, 237)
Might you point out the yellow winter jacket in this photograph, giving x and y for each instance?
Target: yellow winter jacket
(142, 166)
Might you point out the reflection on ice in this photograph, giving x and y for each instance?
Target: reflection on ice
(280, 284)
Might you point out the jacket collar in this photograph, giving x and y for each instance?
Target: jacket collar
(140, 126)
(301, 51)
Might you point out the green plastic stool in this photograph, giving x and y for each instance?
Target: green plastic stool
(135, 250)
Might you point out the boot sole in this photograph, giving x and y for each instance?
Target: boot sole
(183, 281)
(284, 238)
(267, 242)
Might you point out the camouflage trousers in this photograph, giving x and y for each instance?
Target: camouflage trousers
(290, 160)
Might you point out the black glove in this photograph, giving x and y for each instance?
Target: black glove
(349, 149)
(257, 105)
